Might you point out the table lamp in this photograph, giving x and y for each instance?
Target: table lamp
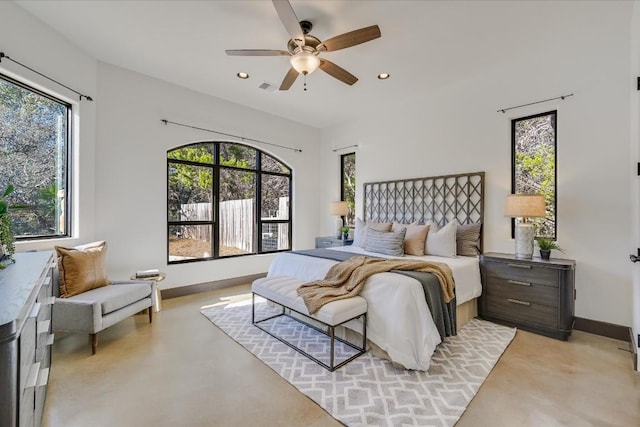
(341, 210)
(524, 206)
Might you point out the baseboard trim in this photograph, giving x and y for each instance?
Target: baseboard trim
(634, 348)
(604, 329)
(209, 286)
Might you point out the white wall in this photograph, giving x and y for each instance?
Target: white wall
(120, 159)
(25, 39)
(457, 129)
(131, 177)
(635, 158)
(121, 178)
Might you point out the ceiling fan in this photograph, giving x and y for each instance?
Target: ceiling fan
(304, 49)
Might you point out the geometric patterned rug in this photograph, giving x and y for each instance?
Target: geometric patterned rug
(369, 391)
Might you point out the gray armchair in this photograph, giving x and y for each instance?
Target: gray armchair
(97, 309)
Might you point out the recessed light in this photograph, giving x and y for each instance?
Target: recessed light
(243, 76)
(384, 76)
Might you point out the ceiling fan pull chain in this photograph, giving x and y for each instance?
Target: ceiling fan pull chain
(305, 82)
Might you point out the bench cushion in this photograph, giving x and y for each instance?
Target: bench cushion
(115, 297)
(282, 290)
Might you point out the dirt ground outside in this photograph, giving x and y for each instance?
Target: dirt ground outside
(190, 248)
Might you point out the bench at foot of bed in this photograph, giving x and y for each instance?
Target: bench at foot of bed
(282, 291)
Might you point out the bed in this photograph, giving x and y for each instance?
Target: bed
(400, 326)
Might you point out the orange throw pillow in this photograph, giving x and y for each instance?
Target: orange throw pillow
(82, 268)
(414, 240)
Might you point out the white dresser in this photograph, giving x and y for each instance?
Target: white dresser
(26, 298)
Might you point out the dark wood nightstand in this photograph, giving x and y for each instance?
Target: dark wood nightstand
(331, 242)
(532, 294)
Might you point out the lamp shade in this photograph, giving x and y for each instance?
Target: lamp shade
(525, 206)
(338, 208)
(305, 62)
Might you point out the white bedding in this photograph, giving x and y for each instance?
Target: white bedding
(398, 318)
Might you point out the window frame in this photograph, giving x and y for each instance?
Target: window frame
(554, 114)
(258, 222)
(342, 187)
(68, 164)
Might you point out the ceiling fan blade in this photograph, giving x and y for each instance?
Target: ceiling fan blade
(289, 20)
(288, 80)
(338, 72)
(256, 52)
(349, 39)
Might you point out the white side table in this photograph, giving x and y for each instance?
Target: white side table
(156, 297)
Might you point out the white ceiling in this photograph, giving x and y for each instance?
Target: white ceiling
(424, 45)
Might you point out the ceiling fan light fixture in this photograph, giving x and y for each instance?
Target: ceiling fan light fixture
(305, 62)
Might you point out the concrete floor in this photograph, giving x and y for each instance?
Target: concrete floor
(183, 371)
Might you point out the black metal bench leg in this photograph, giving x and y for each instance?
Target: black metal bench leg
(331, 357)
(364, 332)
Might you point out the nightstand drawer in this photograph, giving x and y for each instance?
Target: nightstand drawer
(324, 243)
(331, 242)
(524, 272)
(518, 310)
(522, 291)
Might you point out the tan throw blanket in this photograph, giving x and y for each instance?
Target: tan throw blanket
(346, 279)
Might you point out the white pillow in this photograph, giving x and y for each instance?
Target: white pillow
(359, 233)
(441, 242)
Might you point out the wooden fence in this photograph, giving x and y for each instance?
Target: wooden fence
(236, 224)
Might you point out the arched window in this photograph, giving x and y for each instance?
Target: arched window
(226, 199)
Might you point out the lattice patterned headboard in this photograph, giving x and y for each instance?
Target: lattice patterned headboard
(437, 198)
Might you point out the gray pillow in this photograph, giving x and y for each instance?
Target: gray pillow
(468, 239)
(388, 243)
(360, 234)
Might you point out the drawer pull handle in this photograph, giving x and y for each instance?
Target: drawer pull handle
(43, 377)
(32, 376)
(528, 267)
(48, 340)
(35, 310)
(42, 327)
(517, 301)
(519, 283)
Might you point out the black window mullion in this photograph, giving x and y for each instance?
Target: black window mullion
(186, 223)
(167, 212)
(216, 201)
(258, 211)
(342, 157)
(290, 210)
(68, 172)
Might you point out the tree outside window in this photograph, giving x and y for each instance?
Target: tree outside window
(34, 148)
(534, 141)
(348, 186)
(226, 199)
